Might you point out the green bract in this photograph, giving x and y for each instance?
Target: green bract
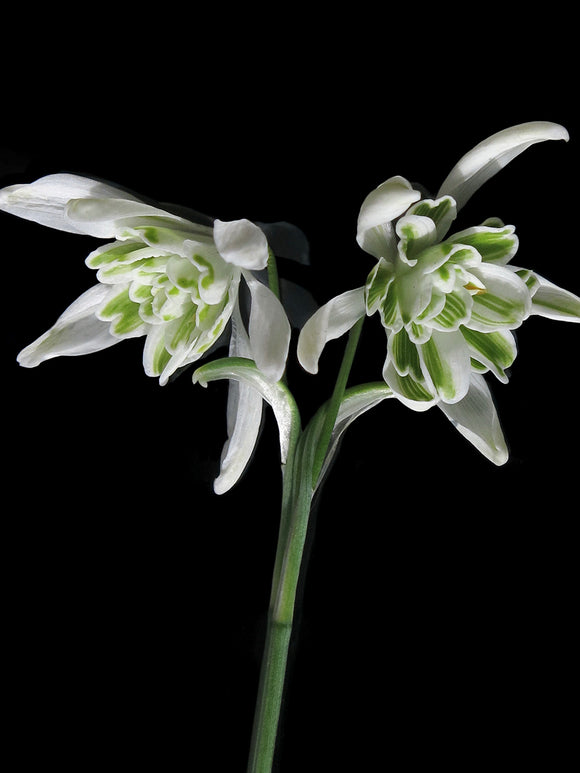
(447, 302)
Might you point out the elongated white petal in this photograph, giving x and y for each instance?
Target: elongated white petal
(491, 155)
(77, 331)
(391, 199)
(109, 217)
(244, 415)
(330, 321)
(554, 302)
(242, 243)
(476, 419)
(277, 395)
(269, 330)
(45, 200)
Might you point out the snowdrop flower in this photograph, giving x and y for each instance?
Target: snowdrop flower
(448, 302)
(173, 280)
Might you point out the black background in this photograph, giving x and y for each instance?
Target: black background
(436, 624)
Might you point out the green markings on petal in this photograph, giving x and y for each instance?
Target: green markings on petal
(494, 351)
(118, 253)
(456, 311)
(441, 211)
(124, 315)
(377, 284)
(495, 245)
(404, 355)
(446, 359)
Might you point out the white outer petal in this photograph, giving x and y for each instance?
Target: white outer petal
(45, 200)
(330, 321)
(269, 330)
(475, 417)
(242, 243)
(491, 155)
(244, 416)
(388, 201)
(77, 331)
(555, 302)
(107, 217)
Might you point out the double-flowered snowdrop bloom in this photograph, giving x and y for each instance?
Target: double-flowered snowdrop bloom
(448, 302)
(168, 278)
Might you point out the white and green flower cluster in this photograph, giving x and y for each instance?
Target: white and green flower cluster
(171, 279)
(164, 277)
(448, 302)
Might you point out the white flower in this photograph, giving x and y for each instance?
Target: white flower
(448, 303)
(170, 279)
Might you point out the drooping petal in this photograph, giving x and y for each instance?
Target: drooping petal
(330, 321)
(491, 155)
(390, 200)
(242, 243)
(475, 417)
(554, 302)
(445, 360)
(269, 329)
(276, 394)
(505, 303)
(45, 200)
(244, 415)
(77, 331)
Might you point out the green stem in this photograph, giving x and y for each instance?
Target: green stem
(336, 399)
(305, 460)
(293, 528)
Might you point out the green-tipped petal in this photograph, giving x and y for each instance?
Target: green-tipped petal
(277, 395)
(269, 330)
(242, 243)
(330, 321)
(390, 200)
(476, 419)
(45, 200)
(491, 155)
(77, 331)
(554, 302)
